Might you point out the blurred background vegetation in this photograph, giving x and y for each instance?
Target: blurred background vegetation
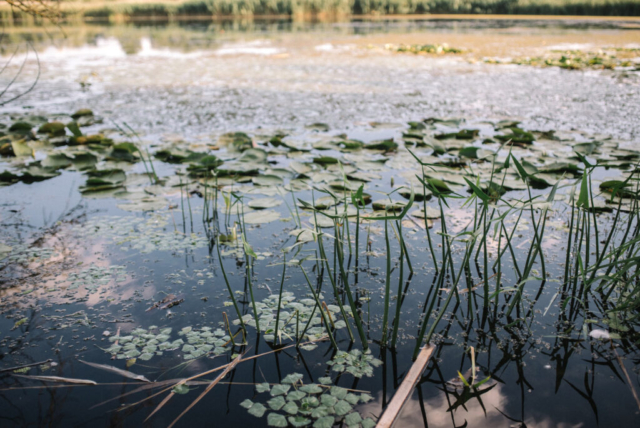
(127, 10)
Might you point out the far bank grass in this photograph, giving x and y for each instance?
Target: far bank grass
(124, 10)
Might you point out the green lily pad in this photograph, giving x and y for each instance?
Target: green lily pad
(277, 403)
(257, 410)
(299, 421)
(261, 217)
(277, 420)
(291, 407)
(280, 390)
(324, 422)
(353, 419)
(82, 112)
(268, 180)
(21, 148)
(342, 408)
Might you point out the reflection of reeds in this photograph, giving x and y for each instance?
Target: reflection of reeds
(611, 269)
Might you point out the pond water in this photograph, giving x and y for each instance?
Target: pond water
(111, 253)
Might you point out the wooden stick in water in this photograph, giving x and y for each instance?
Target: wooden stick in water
(10, 369)
(403, 393)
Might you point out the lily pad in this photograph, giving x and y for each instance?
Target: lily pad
(261, 217)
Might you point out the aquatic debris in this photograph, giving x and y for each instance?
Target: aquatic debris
(26, 366)
(116, 371)
(603, 334)
(19, 323)
(167, 302)
(58, 379)
(405, 390)
(221, 376)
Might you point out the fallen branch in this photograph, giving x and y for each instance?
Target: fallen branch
(25, 366)
(230, 367)
(407, 386)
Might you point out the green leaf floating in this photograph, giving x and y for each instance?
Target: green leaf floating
(257, 410)
(276, 420)
(291, 408)
(324, 422)
(280, 390)
(276, 403)
(299, 421)
(342, 408)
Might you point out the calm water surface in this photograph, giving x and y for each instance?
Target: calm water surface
(189, 83)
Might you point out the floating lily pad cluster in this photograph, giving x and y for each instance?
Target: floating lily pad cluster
(143, 234)
(23, 254)
(355, 362)
(26, 135)
(609, 59)
(94, 277)
(296, 404)
(145, 344)
(424, 49)
(294, 317)
(204, 341)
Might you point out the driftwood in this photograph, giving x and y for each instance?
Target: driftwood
(10, 369)
(403, 393)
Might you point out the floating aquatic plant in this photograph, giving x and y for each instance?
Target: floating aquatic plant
(144, 344)
(298, 404)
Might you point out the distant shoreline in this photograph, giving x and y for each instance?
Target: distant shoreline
(117, 18)
(336, 10)
(394, 17)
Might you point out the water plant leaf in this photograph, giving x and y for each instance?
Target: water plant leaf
(276, 403)
(248, 249)
(299, 421)
(263, 203)
(180, 389)
(75, 129)
(257, 410)
(326, 380)
(246, 403)
(368, 423)
(478, 191)
(328, 400)
(292, 378)
(352, 419)
(583, 197)
(338, 392)
(277, 420)
(268, 180)
(261, 217)
(291, 407)
(324, 422)
(280, 390)
(296, 395)
(263, 387)
(342, 408)
(21, 148)
(311, 389)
